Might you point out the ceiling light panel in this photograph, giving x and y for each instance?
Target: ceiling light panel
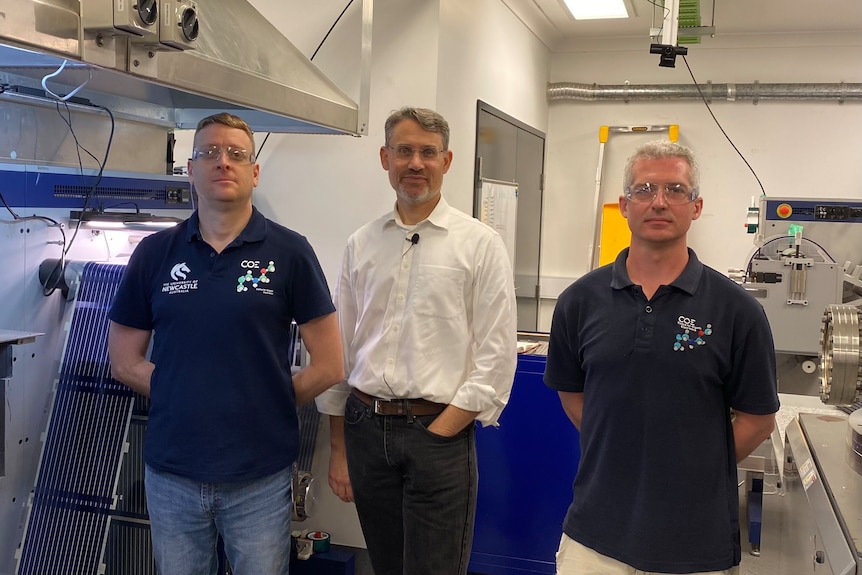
(597, 9)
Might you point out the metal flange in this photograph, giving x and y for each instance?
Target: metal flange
(840, 357)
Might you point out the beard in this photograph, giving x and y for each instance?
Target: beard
(413, 198)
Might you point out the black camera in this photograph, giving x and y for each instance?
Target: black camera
(667, 53)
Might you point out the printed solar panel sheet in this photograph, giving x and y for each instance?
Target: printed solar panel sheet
(88, 511)
(68, 516)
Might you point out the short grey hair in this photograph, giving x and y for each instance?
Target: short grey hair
(660, 149)
(429, 120)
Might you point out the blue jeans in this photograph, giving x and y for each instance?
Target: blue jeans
(252, 517)
(415, 492)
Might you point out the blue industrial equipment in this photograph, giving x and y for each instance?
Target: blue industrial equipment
(526, 469)
(60, 187)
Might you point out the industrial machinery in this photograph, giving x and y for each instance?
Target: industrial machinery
(814, 305)
(806, 257)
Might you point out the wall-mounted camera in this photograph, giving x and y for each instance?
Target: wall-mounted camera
(136, 18)
(179, 25)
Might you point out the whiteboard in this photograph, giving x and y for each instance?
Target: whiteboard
(499, 209)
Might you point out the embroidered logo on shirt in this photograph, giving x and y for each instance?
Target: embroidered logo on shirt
(181, 284)
(179, 271)
(257, 282)
(692, 335)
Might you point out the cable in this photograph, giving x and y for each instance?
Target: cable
(758, 251)
(709, 109)
(67, 245)
(666, 12)
(260, 149)
(54, 223)
(331, 28)
(113, 206)
(68, 121)
(57, 73)
(102, 164)
(316, 50)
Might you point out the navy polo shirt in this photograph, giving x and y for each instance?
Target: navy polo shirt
(222, 401)
(656, 486)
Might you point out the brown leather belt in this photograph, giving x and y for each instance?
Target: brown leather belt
(408, 407)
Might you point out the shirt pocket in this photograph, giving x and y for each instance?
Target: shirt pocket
(439, 292)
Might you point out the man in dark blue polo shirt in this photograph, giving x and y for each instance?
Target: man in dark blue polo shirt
(667, 369)
(218, 294)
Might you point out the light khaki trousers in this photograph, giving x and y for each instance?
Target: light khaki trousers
(575, 559)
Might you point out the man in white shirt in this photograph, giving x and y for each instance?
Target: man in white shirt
(426, 305)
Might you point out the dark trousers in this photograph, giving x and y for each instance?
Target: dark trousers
(415, 491)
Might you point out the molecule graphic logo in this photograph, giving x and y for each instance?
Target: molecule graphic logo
(256, 282)
(692, 335)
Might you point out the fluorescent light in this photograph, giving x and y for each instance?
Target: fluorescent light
(115, 220)
(597, 9)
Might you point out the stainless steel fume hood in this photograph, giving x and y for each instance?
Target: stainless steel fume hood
(144, 68)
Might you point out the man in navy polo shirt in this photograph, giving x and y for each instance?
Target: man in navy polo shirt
(218, 293)
(667, 369)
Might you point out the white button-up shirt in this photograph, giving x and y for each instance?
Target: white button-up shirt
(435, 319)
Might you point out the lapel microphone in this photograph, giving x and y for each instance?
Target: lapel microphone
(414, 239)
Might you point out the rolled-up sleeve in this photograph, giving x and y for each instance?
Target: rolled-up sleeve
(494, 336)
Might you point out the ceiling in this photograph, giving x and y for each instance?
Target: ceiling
(551, 22)
(553, 25)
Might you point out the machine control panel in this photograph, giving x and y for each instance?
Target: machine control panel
(803, 210)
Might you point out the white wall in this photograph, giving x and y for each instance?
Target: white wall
(799, 149)
(486, 54)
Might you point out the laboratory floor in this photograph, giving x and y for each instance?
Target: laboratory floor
(767, 563)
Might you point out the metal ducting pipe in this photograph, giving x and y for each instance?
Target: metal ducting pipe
(731, 92)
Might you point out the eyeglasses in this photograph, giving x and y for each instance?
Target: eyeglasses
(673, 193)
(427, 153)
(234, 155)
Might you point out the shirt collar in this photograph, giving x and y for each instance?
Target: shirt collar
(254, 231)
(439, 217)
(687, 280)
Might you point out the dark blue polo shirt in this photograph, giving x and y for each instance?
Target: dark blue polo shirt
(222, 400)
(656, 486)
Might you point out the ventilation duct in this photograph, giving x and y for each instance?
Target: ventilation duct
(173, 63)
(732, 92)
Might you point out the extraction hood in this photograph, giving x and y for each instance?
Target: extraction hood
(173, 62)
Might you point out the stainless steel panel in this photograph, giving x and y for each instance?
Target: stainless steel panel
(49, 25)
(823, 493)
(39, 135)
(240, 63)
(827, 436)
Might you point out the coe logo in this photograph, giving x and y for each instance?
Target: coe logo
(691, 335)
(250, 264)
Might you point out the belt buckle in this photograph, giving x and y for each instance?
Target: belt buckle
(390, 407)
(377, 406)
